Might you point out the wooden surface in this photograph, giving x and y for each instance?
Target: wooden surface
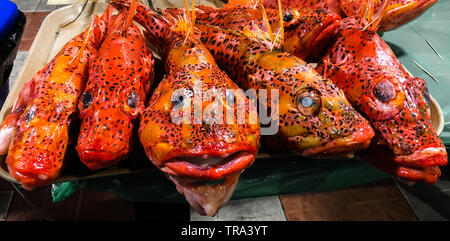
(380, 201)
(373, 201)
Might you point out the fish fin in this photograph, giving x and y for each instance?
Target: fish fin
(130, 16)
(185, 24)
(87, 37)
(242, 3)
(266, 23)
(372, 22)
(281, 30)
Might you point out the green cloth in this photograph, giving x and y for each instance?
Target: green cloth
(265, 178)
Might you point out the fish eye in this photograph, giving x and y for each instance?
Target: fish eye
(177, 100)
(288, 17)
(384, 90)
(86, 99)
(180, 95)
(131, 100)
(308, 102)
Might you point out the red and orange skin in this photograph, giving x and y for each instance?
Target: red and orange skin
(195, 150)
(120, 78)
(396, 104)
(330, 126)
(399, 12)
(42, 115)
(307, 32)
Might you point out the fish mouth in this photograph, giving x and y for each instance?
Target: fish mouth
(323, 36)
(34, 171)
(96, 159)
(341, 147)
(209, 167)
(431, 156)
(421, 165)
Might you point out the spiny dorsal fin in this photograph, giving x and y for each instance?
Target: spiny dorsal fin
(367, 14)
(185, 23)
(280, 12)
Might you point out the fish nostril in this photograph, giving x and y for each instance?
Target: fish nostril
(384, 90)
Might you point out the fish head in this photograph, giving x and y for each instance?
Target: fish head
(309, 32)
(197, 129)
(396, 104)
(40, 163)
(314, 115)
(107, 125)
(202, 133)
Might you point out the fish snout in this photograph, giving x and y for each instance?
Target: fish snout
(342, 130)
(33, 167)
(104, 138)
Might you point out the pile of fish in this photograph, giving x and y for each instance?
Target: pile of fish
(359, 99)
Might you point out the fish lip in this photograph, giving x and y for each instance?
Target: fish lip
(333, 24)
(343, 146)
(30, 181)
(227, 163)
(430, 156)
(96, 159)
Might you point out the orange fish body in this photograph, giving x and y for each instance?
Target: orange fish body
(191, 149)
(40, 120)
(399, 12)
(396, 104)
(120, 77)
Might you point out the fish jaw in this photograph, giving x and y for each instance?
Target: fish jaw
(431, 156)
(357, 141)
(104, 137)
(421, 168)
(207, 166)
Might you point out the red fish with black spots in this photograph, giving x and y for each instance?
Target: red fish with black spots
(396, 104)
(37, 130)
(120, 78)
(204, 156)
